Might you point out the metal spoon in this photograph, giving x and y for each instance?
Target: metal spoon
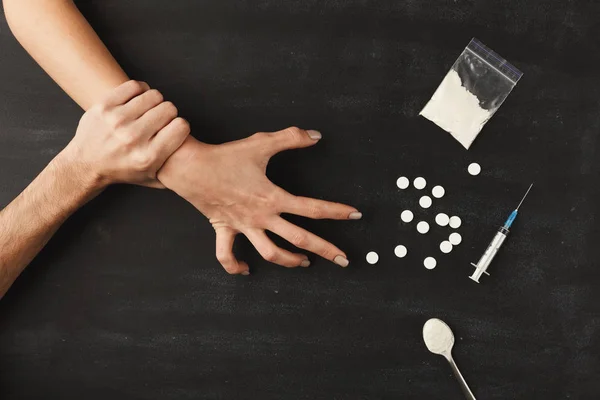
(439, 339)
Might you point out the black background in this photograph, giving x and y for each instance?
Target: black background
(128, 301)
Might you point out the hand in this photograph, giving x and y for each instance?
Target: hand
(128, 137)
(228, 184)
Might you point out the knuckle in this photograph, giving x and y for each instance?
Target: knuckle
(343, 213)
(299, 239)
(270, 255)
(155, 95)
(315, 212)
(182, 125)
(170, 109)
(115, 119)
(128, 139)
(258, 220)
(328, 252)
(143, 161)
(295, 133)
(98, 109)
(223, 256)
(135, 85)
(228, 265)
(273, 200)
(103, 113)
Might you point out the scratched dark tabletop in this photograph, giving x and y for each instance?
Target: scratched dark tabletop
(129, 302)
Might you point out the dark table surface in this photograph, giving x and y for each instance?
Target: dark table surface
(128, 301)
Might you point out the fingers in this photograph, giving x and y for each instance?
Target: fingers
(270, 252)
(318, 209)
(169, 139)
(224, 251)
(141, 104)
(125, 92)
(290, 138)
(156, 119)
(303, 239)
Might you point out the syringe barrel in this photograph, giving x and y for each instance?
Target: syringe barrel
(492, 249)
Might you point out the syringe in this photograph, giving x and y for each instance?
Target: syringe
(492, 249)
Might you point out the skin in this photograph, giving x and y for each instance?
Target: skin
(227, 183)
(126, 138)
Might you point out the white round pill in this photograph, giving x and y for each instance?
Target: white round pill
(442, 219)
(407, 216)
(455, 222)
(446, 247)
(425, 202)
(455, 238)
(423, 227)
(400, 251)
(474, 169)
(402, 182)
(438, 192)
(372, 257)
(430, 263)
(420, 183)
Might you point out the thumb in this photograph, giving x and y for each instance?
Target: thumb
(292, 138)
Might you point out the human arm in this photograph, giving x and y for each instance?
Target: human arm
(62, 42)
(232, 206)
(124, 139)
(31, 219)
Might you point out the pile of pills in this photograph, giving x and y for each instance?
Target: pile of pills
(441, 219)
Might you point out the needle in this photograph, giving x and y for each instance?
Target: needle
(526, 193)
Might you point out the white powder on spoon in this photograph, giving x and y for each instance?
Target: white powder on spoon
(437, 336)
(456, 110)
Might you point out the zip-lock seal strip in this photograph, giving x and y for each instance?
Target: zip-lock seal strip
(494, 60)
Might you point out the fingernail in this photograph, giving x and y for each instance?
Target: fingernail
(246, 273)
(355, 215)
(341, 261)
(305, 263)
(314, 135)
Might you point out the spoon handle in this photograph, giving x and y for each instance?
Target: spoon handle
(461, 380)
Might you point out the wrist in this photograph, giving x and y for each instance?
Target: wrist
(69, 167)
(176, 166)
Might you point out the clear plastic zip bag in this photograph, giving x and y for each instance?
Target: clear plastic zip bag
(472, 91)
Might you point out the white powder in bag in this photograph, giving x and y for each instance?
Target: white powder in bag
(456, 110)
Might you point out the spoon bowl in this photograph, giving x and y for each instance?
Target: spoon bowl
(439, 339)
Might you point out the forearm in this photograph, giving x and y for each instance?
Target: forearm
(60, 39)
(33, 217)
